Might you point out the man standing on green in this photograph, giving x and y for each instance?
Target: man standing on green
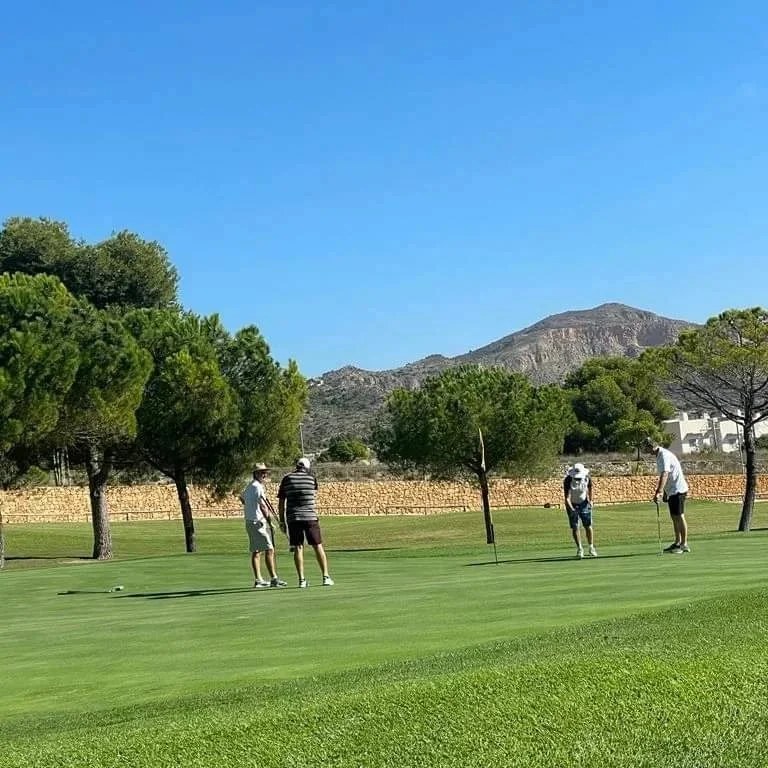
(673, 488)
(298, 513)
(258, 526)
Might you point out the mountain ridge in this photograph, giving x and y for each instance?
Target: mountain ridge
(345, 400)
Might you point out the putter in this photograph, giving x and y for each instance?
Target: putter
(658, 525)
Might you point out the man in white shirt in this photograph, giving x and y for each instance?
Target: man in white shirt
(673, 488)
(258, 524)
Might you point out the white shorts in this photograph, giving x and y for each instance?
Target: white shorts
(259, 535)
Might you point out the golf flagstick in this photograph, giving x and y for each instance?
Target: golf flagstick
(658, 525)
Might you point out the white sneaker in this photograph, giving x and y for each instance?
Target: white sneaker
(327, 581)
(580, 553)
(277, 582)
(302, 583)
(592, 551)
(684, 548)
(260, 584)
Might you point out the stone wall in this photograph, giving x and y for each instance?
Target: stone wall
(375, 497)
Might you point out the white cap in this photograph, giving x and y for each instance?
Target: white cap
(303, 462)
(579, 470)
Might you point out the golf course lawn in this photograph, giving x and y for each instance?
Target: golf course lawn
(426, 652)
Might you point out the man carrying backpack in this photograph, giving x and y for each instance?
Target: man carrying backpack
(577, 489)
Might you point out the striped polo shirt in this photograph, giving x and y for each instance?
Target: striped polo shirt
(299, 490)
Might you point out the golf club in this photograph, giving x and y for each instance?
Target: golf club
(658, 525)
(283, 523)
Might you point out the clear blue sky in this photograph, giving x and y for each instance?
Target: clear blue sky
(372, 182)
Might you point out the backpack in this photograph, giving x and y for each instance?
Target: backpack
(579, 490)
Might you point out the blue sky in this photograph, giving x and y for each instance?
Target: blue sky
(373, 182)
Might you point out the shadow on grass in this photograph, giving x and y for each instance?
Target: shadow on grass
(563, 559)
(171, 595)
(365, 549)
(47, 557)
(201, 592)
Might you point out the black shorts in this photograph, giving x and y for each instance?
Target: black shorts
(676, 504)
(299, 530)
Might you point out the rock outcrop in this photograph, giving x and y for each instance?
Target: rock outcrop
(345, 401)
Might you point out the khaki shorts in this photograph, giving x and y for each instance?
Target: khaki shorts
(259, 535)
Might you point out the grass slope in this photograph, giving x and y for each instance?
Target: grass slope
(425, 653)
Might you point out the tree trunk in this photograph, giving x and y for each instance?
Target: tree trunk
(490, 536)
(98, 468)
(750, 487)
(180, 479)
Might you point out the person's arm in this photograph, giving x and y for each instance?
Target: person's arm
(566, 488)
(266, 508)
(660, 485)
(589, 491)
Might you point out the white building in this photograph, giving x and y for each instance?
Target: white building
(715, 433)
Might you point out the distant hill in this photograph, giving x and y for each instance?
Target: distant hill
(347, 399)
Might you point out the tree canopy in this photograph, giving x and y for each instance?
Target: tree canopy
(437, 428)
(617, 402)
(70, 375)
(723, 367)
(39, 357)
(344, 449)
(122, 271)
(91, 332)
(214, 403)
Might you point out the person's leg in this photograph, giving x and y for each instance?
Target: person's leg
(573, 523)
(585, 516)
(269, 558)
(256, 565)
(254, 547)
(683, 524)
(672, 504)
(298, 560)
(576, 536)
(322, 560)
(315, 539)
(296, 540)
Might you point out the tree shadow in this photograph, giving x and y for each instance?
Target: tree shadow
(561, 559)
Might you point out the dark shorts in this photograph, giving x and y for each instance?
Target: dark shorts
(299, 530)
(676, 504)
(581, 512)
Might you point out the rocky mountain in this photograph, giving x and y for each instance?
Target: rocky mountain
(346, 400)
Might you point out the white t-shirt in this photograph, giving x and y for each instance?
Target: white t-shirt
(252, 495)
(666, 461)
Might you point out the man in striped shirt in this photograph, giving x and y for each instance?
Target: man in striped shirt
(298, 513)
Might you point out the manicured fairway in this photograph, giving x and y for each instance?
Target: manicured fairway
(424, 653)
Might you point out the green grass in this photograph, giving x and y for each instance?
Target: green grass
(424, 653)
